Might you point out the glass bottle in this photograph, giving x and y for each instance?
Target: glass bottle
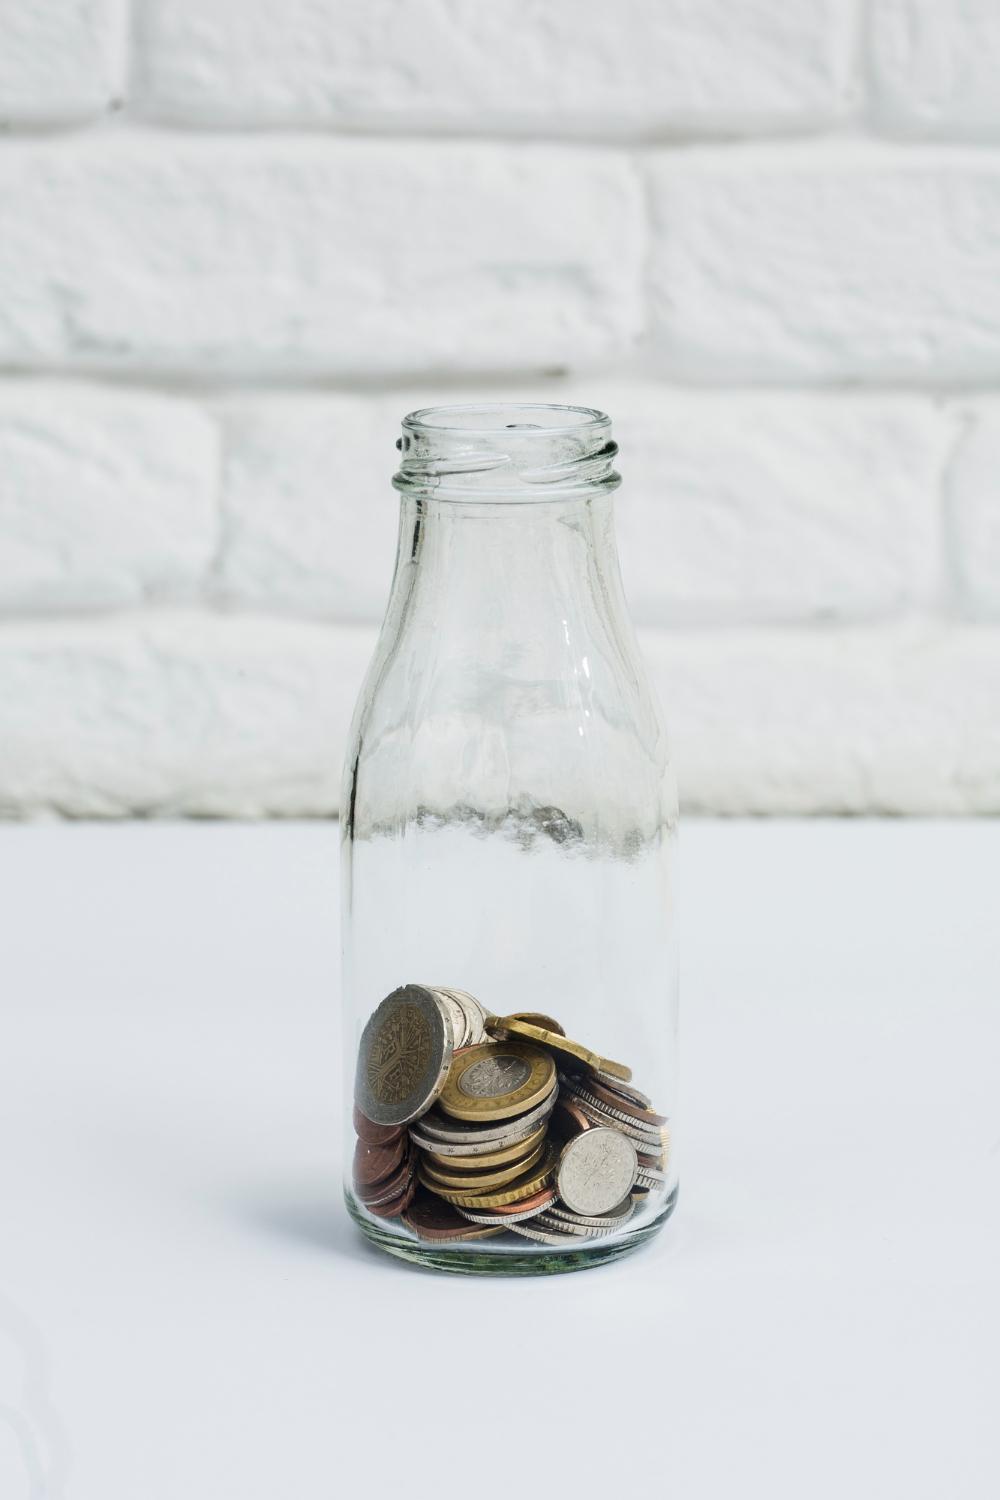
(508, 822)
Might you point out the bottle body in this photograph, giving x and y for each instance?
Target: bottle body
(509, 815)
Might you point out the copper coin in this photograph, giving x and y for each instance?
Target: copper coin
(395, 1206)
(374, 1163)
(372, 1134)
(431, 1218)
(626, 1106)
(569, 1118)
(381, 1192)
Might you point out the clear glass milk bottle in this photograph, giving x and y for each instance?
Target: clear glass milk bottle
(508, 821)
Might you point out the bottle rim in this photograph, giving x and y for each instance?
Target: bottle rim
(514, 451)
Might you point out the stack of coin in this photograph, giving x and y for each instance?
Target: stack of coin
(504, 1122)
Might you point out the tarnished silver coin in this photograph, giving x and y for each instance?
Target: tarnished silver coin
(614, 1219)
(404, 1056)
(596, 1170)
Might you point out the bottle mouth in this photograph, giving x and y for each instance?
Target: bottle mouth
(496, 451)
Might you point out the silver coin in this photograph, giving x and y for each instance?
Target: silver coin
(457, 1016)
(621, 1117)
(436, 1132)
(596, 1170)
(508, 1219)
(475, 1016)
(649, 1177)
(579, 1231)
(404, 1056)
(649, 1145)
(545, 1236)
(612, 1220)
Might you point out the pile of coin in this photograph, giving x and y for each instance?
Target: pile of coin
(472, 1125)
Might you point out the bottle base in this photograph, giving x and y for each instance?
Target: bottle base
(543, 1261)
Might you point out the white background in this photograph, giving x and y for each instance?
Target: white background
(239, 239)
(186, 1312)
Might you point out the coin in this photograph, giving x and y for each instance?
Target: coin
(388, 1187)
(522, 1187)
(438, 1132)
(522, 1208)
(404, 1056)
(628, 1090)
(536, 1018)
(513, 1213)
(510, 1026)
(614, 1217)
(639, 1138)
(497, 1080)
(372, 1134)
(456, 1014)
(396, 1206)
(588, 1097)
(374, 1163)
(432, 1219)
(619, 1103)
(650, 1177)
(569, 1226)
(475, 1017)
(484, 1160)
(471, 1181)
(544, 1236)
(596, 1171)
(569, 1118)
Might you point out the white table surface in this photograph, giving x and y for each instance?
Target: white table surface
(186, 1312)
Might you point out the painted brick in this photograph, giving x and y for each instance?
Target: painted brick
(106, 498)
(639, 67)
(973, 506)
(61, 61)
(306, 256)
(934, 67)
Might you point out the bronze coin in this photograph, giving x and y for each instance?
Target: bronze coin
(395, 1206)
(620, 1102)
(541, 1199)
(374, 1163)
(431, 1218)
(568, 1118)
(372, 1134)
(377, 1192)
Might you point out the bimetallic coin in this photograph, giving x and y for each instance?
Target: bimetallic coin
(510, 1026)
(372, 1134)
(522, 1187)
(470, 1182)
(438, 1132)
(404, 1056)
(596, 1171)
(374, 1163)
(430, 1219)
(449, 1162)
(497, 1080)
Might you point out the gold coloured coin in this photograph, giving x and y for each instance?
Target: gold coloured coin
(536, 1018)
(497, 1080)
(471, 1182)
(511, 1026)
(500, 1158)
(522, 1187)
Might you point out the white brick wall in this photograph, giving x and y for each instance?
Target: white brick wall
(238, 240)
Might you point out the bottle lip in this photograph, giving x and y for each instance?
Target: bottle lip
(520, 452)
